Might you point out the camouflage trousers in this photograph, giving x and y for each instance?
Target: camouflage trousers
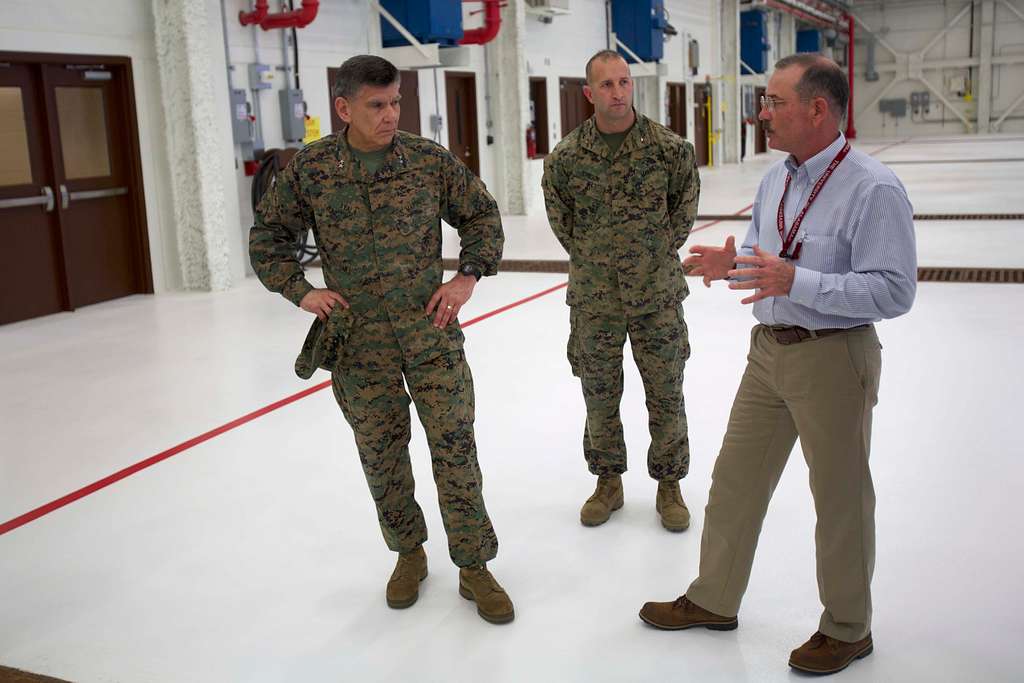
(660, 347)
(369, 385)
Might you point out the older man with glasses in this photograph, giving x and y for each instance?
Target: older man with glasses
(830, 251)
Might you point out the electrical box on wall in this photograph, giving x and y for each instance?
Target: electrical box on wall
(242, 129)
(640, 24)
(958, 85)
(694, 56)
(261, 77)
(753, 41)
(920, 102)
(750, 109)
(293, 114)
(808, 40)
(895, 107)
(429, 21)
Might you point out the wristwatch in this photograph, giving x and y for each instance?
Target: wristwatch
(470, 269)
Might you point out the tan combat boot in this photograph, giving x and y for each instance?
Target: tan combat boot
(607, 499)
(492, 602)
(670, 505)
(404, 585)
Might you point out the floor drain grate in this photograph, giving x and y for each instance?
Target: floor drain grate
(917, 217)
(988, 275)
(968, 216)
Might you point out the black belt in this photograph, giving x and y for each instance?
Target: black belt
(794, 335)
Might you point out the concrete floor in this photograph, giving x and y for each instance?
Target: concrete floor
(255, 555)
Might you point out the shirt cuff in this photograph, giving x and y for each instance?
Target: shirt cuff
(805, 286)
(484, 270)
(296, 289)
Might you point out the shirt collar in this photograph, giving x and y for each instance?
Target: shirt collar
(639, 136)
(817, 164)
(395, 161)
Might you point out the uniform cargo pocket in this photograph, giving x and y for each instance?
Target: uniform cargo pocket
(572, 349)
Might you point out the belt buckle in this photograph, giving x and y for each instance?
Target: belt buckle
(787, 336)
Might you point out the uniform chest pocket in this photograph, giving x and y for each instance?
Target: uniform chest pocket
(410, 223)
(589, 194)
(587, 186)
(419, 238)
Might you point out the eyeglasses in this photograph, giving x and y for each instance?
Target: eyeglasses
(769, 102)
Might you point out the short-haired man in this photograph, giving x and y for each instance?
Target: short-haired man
(621, 194)
(374, 197)
(830, 251)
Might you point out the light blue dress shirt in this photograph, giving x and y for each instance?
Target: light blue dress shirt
(858, 262)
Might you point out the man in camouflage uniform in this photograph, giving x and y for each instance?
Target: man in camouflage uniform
(621, 194)
(374, 197)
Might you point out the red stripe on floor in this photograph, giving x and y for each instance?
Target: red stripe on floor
(35, 514)
(54, 505)
(708, 225)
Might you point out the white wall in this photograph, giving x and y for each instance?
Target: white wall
(909, 27)
(341, 30)
(561, 49)
(121, 28)
(124, 28)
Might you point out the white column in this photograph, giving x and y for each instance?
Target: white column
(509, 89)
(730, 60)
(648, 96)
(986, 30)
(787, 36)
(198, 137)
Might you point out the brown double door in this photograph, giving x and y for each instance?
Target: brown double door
(677, 108)
(576, 108)
(463, 137)
(760, 139)
(72, 222)
(701, 103)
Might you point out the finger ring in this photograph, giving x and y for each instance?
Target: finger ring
(449, 307)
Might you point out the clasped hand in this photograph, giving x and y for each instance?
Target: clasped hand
(765, 272)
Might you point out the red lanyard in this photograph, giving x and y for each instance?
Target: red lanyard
(787, 240)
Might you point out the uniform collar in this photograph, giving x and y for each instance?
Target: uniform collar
(639, 136)
(817, 164)
(396, 161)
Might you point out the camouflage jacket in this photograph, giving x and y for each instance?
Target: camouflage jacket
(623, 219)
(379, 238)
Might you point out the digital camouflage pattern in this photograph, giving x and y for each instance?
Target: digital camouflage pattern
(660, 348)
(379, 238)
(368, 384)
(623, 219)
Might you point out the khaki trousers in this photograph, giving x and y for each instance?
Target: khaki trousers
(822, 390)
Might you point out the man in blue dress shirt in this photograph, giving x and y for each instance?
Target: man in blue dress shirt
(830, 251)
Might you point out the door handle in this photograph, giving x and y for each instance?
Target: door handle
(98, 194)
(67, 197)
(45, 199)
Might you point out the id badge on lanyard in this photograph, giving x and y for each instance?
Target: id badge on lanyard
(790, 237)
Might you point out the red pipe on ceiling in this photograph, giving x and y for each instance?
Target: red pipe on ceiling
(299, 18)
(492, 22)
(799, 14)
(257, 15)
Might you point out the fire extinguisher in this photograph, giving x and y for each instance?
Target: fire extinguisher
(531, 142)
